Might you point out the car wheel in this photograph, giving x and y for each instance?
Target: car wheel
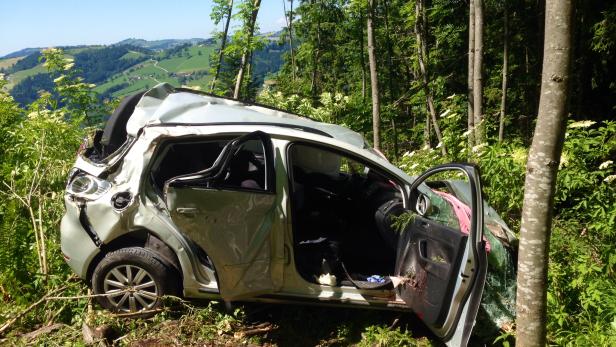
(133, 280)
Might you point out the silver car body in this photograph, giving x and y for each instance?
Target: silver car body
(165, 113)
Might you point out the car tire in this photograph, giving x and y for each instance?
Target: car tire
(133, 280)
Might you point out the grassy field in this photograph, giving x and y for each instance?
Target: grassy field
(151, 72)
(195, 58)
(142, 76)
(20, 75)
(178, 70)
(8, 62)
(132, 55)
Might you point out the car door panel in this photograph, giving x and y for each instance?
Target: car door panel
(234, 223)
(429, 256)
(441, 258)
(233, 228)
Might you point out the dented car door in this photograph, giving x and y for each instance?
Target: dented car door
(230, 211)
(441, 257)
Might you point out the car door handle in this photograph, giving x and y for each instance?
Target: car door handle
(423, 255)
(422, 246)
(186, 210)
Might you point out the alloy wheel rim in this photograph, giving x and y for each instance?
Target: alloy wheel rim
(130, 288)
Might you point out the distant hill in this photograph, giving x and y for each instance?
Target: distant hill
(21, 53)
(28, 51)
(132, 65)
(159, 45)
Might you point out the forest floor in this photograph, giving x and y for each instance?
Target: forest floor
(210, 323)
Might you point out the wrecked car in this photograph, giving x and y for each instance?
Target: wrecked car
(184, 193)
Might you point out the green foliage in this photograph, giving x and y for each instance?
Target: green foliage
(332, 108)
(37, 152)
(382, 336)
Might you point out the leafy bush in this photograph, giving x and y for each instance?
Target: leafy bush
(39, 149)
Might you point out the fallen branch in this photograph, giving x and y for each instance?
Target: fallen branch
(259, 329)
(11, 321)
(50, 297)
(44, 330)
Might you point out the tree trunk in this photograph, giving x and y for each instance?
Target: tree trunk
(503, 106)
(223, 44)
(391, 80)
(541, 170)
(478, 75)
(427, 129)
(247, 50)
(374, 81)
(471, 74)
(289, 21)
(362, 60)
(315, 57)
(422, 56)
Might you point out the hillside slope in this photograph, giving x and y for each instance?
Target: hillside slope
(132, 65)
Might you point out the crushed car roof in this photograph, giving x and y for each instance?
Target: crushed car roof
(165, 104)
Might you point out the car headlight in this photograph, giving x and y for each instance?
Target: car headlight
(87, 187)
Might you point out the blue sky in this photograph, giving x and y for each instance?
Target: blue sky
(41, 23)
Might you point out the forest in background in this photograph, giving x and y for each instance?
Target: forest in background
(420, 58)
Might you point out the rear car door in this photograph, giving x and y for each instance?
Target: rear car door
(231, 210)
(441, 256)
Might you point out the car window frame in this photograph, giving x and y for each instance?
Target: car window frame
(196, 138)
(401, 183)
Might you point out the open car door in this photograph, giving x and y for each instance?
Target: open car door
(230, 210)
(441, 256)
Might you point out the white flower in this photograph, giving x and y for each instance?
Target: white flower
(581, 124)
(440, 144)
(476, 149)
(564, 160)
(609, 178)
(444, 113)
(605, 164)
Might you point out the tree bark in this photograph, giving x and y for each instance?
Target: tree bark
(478, 75)
(374, 80)
(391, 80)
(315, 55)
(422, 56)
(471, 74)
(362, 59)
(289, 21)
(503, 106)
(247, 50)
(223, 44)
(541, 170)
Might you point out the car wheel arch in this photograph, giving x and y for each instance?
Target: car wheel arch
(139, 238)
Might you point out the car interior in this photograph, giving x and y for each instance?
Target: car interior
(342, 214)
(342, 209)
(246, 169)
